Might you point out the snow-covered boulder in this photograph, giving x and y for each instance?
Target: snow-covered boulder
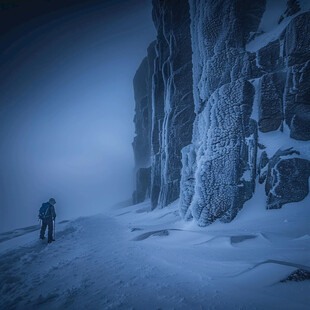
(287, 179)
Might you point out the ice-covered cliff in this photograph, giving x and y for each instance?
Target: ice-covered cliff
(229, 96)
(143, 125)
(164, 105)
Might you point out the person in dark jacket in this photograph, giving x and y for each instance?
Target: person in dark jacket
(47, 215)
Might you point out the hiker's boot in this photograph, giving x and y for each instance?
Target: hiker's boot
(42, 237)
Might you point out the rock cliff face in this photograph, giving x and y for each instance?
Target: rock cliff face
(165, 83)
(231, 102)
(172, 98)
(143, 125)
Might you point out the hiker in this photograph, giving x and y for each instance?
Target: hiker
(47, 214)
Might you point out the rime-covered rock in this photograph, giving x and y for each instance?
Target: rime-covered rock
(219, 82)
(219, 34)
(226, 159)
(268, 57)
(297, 40)
(287, 179)
(297, 101)
(271, 101)
(217, 176)
(173, 107)
(143, 125)
(224, 139)
(187, 180)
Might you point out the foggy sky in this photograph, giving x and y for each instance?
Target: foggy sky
(67, 107)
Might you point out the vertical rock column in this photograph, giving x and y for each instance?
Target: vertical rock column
(231, 75)
(172, 98)
(143, 125)
(219, 168)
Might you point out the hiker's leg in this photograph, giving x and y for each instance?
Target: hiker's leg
(43, 228)
(50, 230)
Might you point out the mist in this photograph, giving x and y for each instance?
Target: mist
(67, 108)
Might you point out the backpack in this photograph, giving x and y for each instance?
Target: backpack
(44, 211)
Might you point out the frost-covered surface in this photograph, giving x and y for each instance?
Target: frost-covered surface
(277, 16)
(234, 43)
(173, 114)
(230, 85)
(131, 258)
(220, 189)
(143, 125)
(169, 86)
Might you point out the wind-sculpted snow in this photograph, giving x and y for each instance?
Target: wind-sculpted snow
(130, 258)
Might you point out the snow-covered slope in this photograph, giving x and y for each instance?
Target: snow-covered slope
(131, 258)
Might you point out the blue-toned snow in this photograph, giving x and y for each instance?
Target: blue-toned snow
(130, 258)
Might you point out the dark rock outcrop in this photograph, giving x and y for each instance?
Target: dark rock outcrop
(268, 57)
(164, 101)
(297, 276)
(143, 125)
(143, 185)
(271, 101)
(297, 95)
(297, 101)
(287, 179)
(173, 108)
(262, 167)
